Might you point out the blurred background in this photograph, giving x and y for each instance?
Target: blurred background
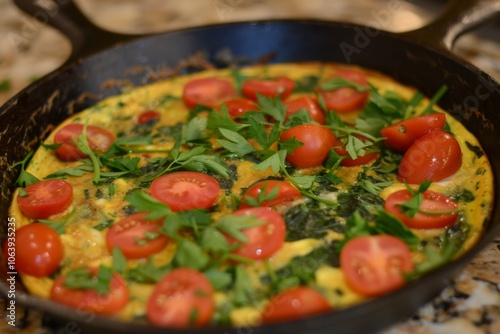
(29, 49)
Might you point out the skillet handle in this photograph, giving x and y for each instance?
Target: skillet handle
(86, 38)
(457, 18)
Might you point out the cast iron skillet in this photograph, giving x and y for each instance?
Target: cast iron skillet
(420, 58)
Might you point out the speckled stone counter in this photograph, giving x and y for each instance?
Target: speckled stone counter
(470, 304)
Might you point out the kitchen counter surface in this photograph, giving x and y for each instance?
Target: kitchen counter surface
(28, 50)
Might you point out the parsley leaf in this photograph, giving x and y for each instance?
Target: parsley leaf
(25, 179)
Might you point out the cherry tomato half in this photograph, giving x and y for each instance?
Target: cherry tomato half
(183, 298)
(402, 135)
(45, 198)
(295, 303)
(38, 250)
(208, 92)
(239, 106)
(360, 160)
(90, 300)
(136, 237)
(99, 139)
(346, 99)
(434, 156)
(317, 141)
(186, 190)
(281, 86)
(148, 116)
(433, 201)
(308, 103)
(263, 240)
(286, 192)
(374, 265)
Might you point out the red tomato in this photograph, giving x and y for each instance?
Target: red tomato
(186, 190)
(90, 300)
(281, 86)
(374, 265)
(286, 192)
(264, 240)
(346, 99)
(308, 103)
(99, 139)
(148, 116)
(402, 135)
(434, 156)
(183, 298)
(208, 92)
(433, 201)
(360, 160)
(295, 303)
(45, 198)
(317, 142)
(239, 106)
(136, 237)
(38, 250)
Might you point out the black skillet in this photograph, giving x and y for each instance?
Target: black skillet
(419, 58)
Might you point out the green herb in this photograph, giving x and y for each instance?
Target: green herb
(85, 167)
(232, 225)
(311, 220)
(220, 279)
(306, 84)
(83, 146)
(475, 149)
(147, 272)
(25, 179)
(337, 83)
(262, 196)
(58, 226)
(356, 226)
(435, 98)
(119, 261)
(84, 279)
(104, 223)
(452, 241)
(51, 146)
(190, 255)
(244, 293)
(388, 224)
(235, 142)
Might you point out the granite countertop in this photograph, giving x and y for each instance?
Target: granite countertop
(470, 304)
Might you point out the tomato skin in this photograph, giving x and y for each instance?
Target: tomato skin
(286, 192)
(308, 103)
(98, 138)
(350, 162)
(280, 86)
(180, 293)
(346, 99)
(434, 156)
(186, 190)
(402, 135)
(129, 236)
(239, 107)
(294, 303)
(374, 265)
(263, 240)
(209, 92)
(89, 300)
(38, 250)
(317, 141)
(45, 198)
(433, 201)
(148, 116)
